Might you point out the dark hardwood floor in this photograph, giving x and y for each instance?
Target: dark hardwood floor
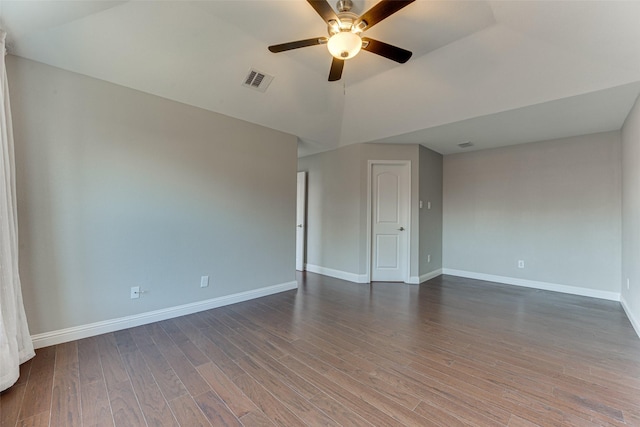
(450, 352)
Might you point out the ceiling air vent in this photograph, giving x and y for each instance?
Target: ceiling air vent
(257, 80)
(465, 144)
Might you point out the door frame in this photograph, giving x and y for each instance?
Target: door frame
(301, 202)
(369, 263)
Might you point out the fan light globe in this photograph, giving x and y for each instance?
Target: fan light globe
(344, 45)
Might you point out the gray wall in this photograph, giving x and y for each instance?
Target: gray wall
(631, 214)
(430, 219)
(117, 188)
(555, 204)
(337, 205)
(333, 209)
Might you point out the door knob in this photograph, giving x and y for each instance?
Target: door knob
(299, 225)
(401, 228)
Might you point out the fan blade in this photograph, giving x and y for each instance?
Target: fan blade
(391, 52)
(380, 11)
(297, 44)
(324, 10)
(336, 69)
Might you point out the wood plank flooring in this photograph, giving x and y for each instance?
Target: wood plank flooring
(450, 352)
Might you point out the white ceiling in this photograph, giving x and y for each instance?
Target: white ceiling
(491, 72)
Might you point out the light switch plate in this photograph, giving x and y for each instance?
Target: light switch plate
(204, 281)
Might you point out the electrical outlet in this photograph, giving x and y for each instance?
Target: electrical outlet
(135, 292)
(204, 281)
(428, 205)
(428, 258)
(520, 263)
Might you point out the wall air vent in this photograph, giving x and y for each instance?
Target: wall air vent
(257, 80)
(465, 144)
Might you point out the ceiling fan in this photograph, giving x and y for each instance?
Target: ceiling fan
(345, 33)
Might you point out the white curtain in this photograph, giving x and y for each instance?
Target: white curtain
(15, 342)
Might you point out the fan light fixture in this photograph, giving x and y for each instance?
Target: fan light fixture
(346, 30)
(344, 45)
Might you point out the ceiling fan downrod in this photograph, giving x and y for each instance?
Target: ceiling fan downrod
(344, 5)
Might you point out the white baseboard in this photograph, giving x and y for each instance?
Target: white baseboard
(574, 290)
(416, 280)
(362, 278)
(634, 321)
(83, 331)
(350, 277)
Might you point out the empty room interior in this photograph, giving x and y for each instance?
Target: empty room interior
(290, 212)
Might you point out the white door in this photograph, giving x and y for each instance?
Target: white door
(390, 213)
(301, 213)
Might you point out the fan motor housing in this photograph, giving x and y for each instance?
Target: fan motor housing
(346, 21)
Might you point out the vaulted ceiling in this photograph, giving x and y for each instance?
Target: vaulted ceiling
(491, 72)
